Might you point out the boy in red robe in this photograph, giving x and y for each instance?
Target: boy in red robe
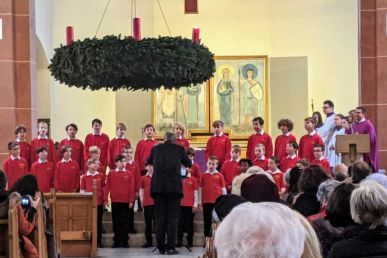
(132, 167)
(307, 141)
(87, 186)
(219, 144)
(14, 166)
(43, 170)
(259, 136)
(25, 147)
(188, 205)
(179, 129)
(260, 158)
(144, 147)
(99, 139)
(277, 174)
(43, 140)
(195, 170)
(291, 159)
(211, 187)
(319, 159)
(67, 172)
(76, 145)
(286, 126)
(230, 168)
(120, 185)
(147, 202)
(116, 144)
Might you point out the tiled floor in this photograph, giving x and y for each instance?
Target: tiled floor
(140, 253)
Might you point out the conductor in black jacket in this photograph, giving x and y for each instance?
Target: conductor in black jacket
(166, 190)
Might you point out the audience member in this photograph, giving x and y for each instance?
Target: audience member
(292, 185)
(360, 170)
(340, 172)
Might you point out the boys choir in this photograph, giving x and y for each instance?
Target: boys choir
(74, 167)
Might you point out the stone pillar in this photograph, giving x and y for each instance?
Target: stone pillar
(17, 70)
(373, 68)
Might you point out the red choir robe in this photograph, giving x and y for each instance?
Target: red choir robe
(14, 167)
(25, 151)
(288, 162)
(114, 149)
(44, 173)
(307, 141)
(143, 150)
(183, 142)
(76, 150)
(48, 143)
(229, 170)
(219, 146)
(261, 162)
(257, 138)
(322, 162)
(99, 140)
(280, 144)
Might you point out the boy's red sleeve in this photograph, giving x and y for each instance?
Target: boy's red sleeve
(107, 189)
(110, 156)
(269, 147)
(83, 183)
(77, 181)
(132, 190)
(222, 183)
(52, 151)
(56, 176)
(228, 149)
(248, 150)
(208, 148)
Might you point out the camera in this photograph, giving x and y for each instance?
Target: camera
(25, 202)
(183, 172)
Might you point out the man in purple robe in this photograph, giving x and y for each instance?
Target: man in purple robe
(364, 126)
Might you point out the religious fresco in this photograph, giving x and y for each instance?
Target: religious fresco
(239, 92)
(188, 105)
(236, 94)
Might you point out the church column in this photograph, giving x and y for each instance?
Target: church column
(17, 70)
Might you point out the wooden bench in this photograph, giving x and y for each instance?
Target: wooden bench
(74, 218)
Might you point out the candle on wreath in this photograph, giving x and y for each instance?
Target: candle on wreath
(136, 28)
(195, 34)
(69, 35)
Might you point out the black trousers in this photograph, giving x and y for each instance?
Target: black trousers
(186, 220)
(207, 218)
(120, 216)
(148, 217)
(99, 223)
(166, 211)
(131, 220)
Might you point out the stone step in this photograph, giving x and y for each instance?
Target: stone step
(139, 216)
(137, 240)
(140, 226)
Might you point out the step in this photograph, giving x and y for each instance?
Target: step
(140, 226)
(139, 216)
(137, 240)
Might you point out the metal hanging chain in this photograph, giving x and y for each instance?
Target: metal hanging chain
(165, 20)
(103, 15)
(131, 18)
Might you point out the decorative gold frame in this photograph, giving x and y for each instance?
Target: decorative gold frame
(232, 135)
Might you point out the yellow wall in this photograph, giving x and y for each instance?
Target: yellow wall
(325, 31)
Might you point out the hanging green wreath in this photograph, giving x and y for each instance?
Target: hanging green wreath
(115, 63)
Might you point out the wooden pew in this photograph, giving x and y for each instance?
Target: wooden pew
(13, 229)
(39, 237)
(75, 220)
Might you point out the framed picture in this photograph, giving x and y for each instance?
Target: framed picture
(188, 105)
(239, 92)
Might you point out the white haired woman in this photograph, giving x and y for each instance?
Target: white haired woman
(368, 238)
(269, 230)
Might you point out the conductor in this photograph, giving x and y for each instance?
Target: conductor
(166, 190)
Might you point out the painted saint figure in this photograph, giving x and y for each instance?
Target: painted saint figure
(252, 93)
(224, 90)
(193, 105)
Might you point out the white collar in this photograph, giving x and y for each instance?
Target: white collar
(180, 137)
(220, 135)
(362, 120)
(292, 157)
(70, 139)
(65, 161)
(14, 158)
(146, 139)
(260, 132)
(42, 137)
(234, 160)
(123, 137)
(321, 158)
(312, 133)
(41, 161)
(261, 158)
(121, 170)
(130, 162)
(90, 174)
(148, 174)
(18, 140)
(208, 172)
(287, 134)
(97, 133)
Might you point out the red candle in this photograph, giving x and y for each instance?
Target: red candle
(69, 35)
(195, 35)
(136, 28)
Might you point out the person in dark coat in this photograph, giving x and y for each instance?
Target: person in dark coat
(367, 238)
(168, 160)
